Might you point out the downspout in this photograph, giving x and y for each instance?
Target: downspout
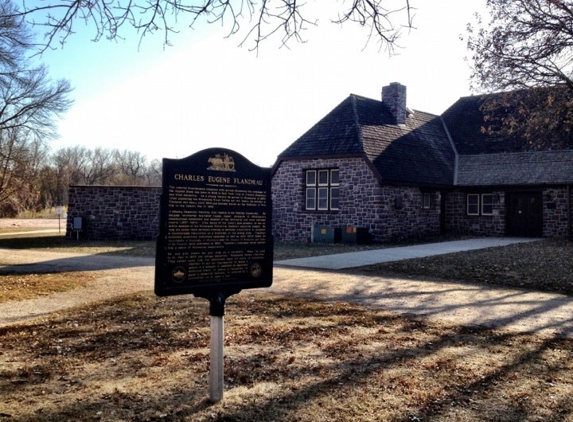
(569, 211)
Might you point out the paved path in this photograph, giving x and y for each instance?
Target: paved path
(458, 303)
(360, 259)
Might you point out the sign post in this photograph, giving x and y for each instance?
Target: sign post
(59, 212)
(214, 236)
(216, 371)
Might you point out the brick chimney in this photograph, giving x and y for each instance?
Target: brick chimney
(394, 96)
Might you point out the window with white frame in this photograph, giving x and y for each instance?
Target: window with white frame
(322, 191)
(487, 204)
(480, 204)
(473, 203)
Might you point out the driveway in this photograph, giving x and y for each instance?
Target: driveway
(459, 303)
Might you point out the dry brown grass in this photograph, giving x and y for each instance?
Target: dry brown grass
(546, 265)
(29, 286)
(143, 358)
(140, 358)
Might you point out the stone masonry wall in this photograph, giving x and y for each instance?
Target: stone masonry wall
(115, 213)
(457, 220)
(363, 203)
(388, 212)
(555, 214)
(401, 215)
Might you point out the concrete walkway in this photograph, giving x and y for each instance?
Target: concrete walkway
(359, 259)
(458, 303)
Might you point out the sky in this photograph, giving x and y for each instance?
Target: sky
(206, 91)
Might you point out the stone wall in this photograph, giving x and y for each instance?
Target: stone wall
(115, 213)
(388, 212)
(402, 216)
(457, 220)
(555, 214)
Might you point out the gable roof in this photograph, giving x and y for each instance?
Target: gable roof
(502, 158)
(418, 152)
(335, 134)
(456, 149)
(465, 120)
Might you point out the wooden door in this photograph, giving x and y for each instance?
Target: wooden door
(524, 214)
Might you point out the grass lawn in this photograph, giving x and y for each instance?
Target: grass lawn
(143, 358)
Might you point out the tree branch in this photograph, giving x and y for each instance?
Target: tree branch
(264, 19)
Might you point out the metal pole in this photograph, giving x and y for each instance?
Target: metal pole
(216, 381)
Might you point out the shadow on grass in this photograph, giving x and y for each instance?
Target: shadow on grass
(472, 303)
(85, 255)
(61, 243)
(351, 364)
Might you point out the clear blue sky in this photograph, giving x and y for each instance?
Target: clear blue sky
(207, 92)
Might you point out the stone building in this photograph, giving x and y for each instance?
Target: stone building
(377, 170)
(396, 173)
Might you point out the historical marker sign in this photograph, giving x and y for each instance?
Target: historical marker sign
(215, 225)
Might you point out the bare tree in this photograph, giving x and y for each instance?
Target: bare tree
(526, 51)
(287, 19)
(153, 174)
(50, 195)
(69, 163)
(29, 106)
(82, 166)
(28, 98)
(527, 43)
(100, 168)
(21, 157)
(14, 41)
(79, 165)
(132, 166)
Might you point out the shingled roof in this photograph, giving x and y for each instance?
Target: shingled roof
(499, 158)
(540, 121)
(514, 169)
(418, 152)
(465, 122)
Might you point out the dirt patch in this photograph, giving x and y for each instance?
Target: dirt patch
(40, 223)
(17, 287)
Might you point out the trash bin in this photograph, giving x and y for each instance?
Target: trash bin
(324, 234)
(357, 235)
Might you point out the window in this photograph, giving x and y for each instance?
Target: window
(334, 190)
(473, 204)
(480, 204)
(427, 201)
(322, 189)
(487, 204)
(311, 190)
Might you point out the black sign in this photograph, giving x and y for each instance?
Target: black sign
(215, 225)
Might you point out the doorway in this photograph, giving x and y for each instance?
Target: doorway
(524, 214)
